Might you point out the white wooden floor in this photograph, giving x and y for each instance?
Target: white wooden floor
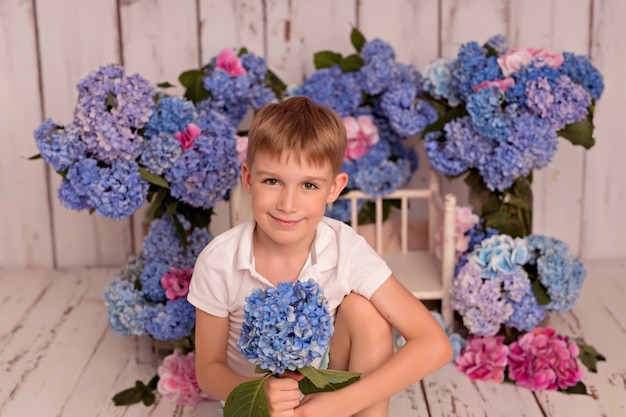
(58, 356)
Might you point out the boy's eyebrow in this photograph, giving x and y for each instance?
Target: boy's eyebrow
(272, 174)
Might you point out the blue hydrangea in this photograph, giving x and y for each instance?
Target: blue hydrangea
(330, 87)
(171, 114)
(150, 279)
(377, 49)
(119, 190)
(438, 80)
(215, 150)
(160, 152)
(444, 156)
(518, 93)
(487, 116)
(407, 114)
(70, 198)
(161, 243)
(498, 44)
(111, 108)
(581, 71)
(126, 308)
(172, 320)
(286, 327)
(342, 210)
(59, 146)
(500, 254)
(558, 271)
(527, 313)
(383, 178)
(471, 67)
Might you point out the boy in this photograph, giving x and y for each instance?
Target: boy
(295, 155)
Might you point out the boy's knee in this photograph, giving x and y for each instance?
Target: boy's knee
(360, 315)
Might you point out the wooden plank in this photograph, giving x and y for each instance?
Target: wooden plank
(604, 229)
(159, 52)
(25, 232)
(67, 29)
(63, 329)
(599, 317)
(449, 392)
(294, 34)
(560, 27)
(27, 287)
(458, 26)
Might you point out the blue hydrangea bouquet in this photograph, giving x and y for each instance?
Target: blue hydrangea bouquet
(376, 96)
(286, 327)
(500, 112)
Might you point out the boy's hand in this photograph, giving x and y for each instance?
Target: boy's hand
(319, 404)
(283, 394)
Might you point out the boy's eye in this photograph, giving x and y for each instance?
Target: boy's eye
(271, 181)
(310, 186)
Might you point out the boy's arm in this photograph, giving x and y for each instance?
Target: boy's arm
(426, 350)
(214, 376)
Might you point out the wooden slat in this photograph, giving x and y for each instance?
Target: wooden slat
(25, 233)
(560, 27)
(604, 228)
(77, 37)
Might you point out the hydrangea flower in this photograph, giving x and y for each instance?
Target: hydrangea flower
(337, 90)
(59, 146)
(126, 308)
(438, 80)
(544, 360)
(177, 379)
(176, 282)
(484, 358)
(170, 321)
(286, 327)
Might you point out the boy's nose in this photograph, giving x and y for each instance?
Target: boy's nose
(287, 201)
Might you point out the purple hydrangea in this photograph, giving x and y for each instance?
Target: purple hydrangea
(285, 327)
(407, 114)
(581, 71)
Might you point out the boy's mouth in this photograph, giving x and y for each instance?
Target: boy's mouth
(285, 223)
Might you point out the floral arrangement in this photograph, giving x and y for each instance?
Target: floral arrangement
(375, 96)
(500, 112)
(503, 289)
(294, 321)
(129, 145)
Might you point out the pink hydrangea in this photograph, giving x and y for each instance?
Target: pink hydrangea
(514, 59)
(484, 358)
(464, 220)
(187, 137)
(362, 134)
(502, 84)
(544, 360)
(228, 61)
(177, 379)
(176, 283)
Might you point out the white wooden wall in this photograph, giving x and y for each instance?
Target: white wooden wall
(46, 46)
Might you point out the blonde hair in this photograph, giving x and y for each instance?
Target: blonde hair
(311, 131)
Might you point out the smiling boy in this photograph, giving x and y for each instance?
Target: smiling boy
(293, 170)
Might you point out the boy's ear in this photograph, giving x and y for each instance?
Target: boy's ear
(339, 183)
(246, 181)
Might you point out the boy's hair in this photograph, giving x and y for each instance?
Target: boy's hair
(311, 131)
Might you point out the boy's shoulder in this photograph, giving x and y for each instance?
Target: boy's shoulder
(230, 240)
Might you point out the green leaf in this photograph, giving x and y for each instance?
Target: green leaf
(153, 382)
(127, 397)
(322, 380)
(580, 133)
(579, 388)
(444, 118)
(180, 231)
(351, 63)
(277, 85)
(139, 393)
(153, 178)
(242, 51)
(110, 101)
(187, 78)
(540, 293)
(32, 158)
(157, 208)
(148, 398)
(247, 400)
(326, 59)
(357, 39)
(192, 81)
(165, 84)
(590, 357)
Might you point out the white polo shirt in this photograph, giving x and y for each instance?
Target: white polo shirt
(340, 261)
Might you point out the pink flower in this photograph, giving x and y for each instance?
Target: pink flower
(465, 220)
(187, 137)
(177, 379)
(228, 61)
(176, 283)
(514, 59)
(242, 148)
(362, 134)
(484, 358)
(542, 359)
(502, 84)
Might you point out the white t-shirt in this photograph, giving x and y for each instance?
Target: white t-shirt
(340, 261)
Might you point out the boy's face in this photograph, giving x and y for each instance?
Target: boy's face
(289, 196)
